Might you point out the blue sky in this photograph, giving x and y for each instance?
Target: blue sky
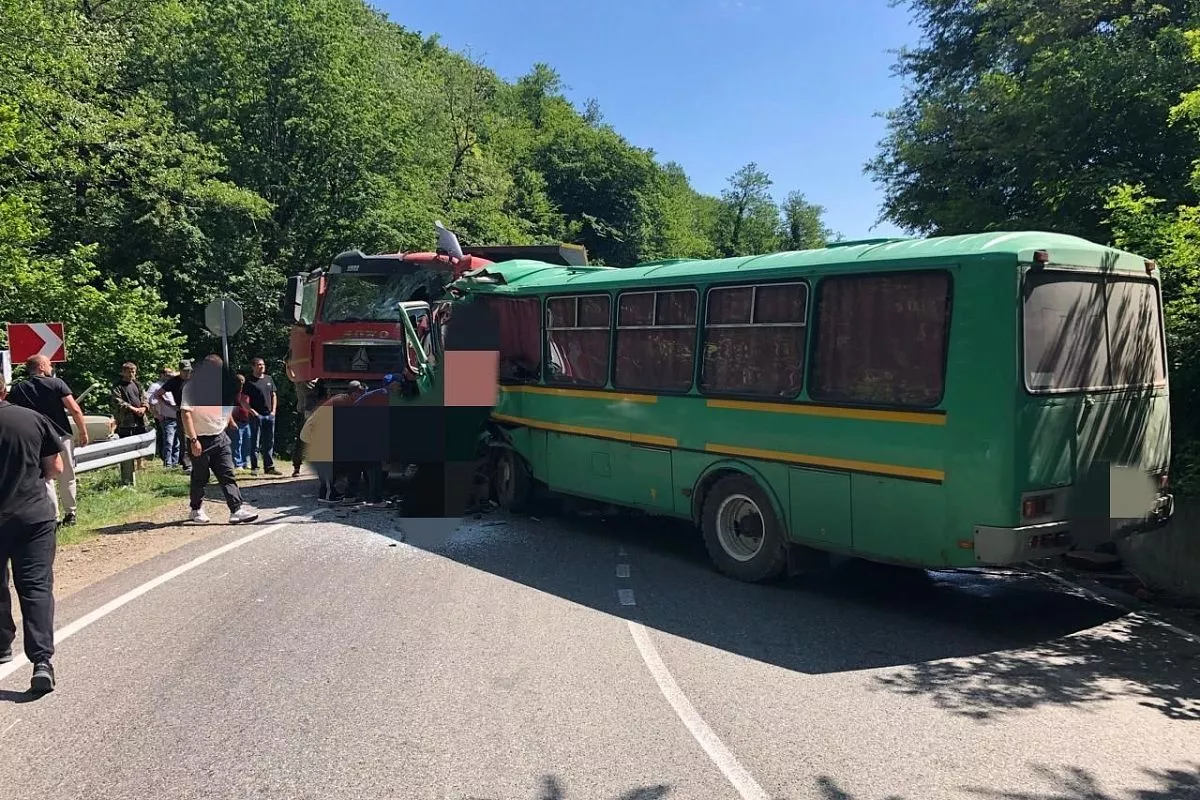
(712, 84)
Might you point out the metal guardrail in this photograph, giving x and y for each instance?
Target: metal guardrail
(112, 452)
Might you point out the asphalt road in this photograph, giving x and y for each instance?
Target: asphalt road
(555, 658)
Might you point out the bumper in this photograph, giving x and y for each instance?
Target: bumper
(996, 546)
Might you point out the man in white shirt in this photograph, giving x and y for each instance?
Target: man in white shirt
(152, 397)
(206, 414)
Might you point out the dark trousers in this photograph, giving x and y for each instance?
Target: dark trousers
(31, 550)
(217, 456)
(298, 452)
(185, 455)
(262, 436)
(169, 441)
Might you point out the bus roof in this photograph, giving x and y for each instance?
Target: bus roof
(1021, 246)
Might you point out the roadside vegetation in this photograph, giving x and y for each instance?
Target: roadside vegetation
(155, 153)
(104, 502)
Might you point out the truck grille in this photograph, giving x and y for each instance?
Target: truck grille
(373, 358)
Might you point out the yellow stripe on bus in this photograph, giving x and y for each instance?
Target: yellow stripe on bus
(833, 463)
(596, 433)
(841, 412)
(592, 393)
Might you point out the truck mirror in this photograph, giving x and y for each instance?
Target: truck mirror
(292, 301)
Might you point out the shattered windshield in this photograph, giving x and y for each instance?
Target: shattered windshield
(371, 298)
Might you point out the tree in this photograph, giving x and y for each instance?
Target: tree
(750, 218)
(1022, 113)
(803, 228)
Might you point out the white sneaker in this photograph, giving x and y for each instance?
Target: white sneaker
(198, 515)
(243, 514)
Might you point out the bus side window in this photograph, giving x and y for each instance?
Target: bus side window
(520, 337)
(578, 330)
(754, 340)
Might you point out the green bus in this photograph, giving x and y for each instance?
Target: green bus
(951, 402)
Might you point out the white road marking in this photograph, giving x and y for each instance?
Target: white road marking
(737, 775)
(111, 606)
(626, 597)
(622, 570)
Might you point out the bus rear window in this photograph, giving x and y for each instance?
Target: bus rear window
(1086, 332)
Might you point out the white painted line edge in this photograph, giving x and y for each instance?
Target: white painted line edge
(75, 627)
(626, 597)
(1178, 631)
(730, 767)
(622, 570)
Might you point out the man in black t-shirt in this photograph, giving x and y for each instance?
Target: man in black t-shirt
(52, 398)
(30, 454)
(263, 399)
(170, 394)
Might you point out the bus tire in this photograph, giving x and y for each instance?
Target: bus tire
(514, 486)
(735, 510)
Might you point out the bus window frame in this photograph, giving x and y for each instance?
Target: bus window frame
(754, 286)
(1104, 278)
(547, 380)
(617, 327)
(948, 325)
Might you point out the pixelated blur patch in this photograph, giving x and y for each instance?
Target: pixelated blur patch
(471, 377)
(1131, 493)
(473, 326)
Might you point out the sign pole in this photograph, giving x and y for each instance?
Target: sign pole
(224, 333)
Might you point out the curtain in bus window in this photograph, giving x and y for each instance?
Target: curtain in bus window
(656, 340)
(882, 339)
(1135, 333)
(760, 356)
(578, 334)
(1064, 333)
(520, 336)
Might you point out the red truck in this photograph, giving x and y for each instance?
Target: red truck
(345, 317)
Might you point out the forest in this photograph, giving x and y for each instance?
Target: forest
(157, 153)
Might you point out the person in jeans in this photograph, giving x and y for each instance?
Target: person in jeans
(155, 405)
(30, 455)
(263, 399)
(170, 396)
(206, 414)
(241, 420)
(53, 399)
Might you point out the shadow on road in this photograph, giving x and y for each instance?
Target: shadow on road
(980, 644)
(1068, 783)
(554, 789)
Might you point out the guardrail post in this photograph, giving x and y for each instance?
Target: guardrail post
(128, 473)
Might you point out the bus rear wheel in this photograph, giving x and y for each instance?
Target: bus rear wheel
(744, 538)
(514, 486)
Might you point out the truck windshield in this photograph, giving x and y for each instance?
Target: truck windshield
(365, 298)
(1090, 332)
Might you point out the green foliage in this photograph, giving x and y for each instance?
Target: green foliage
(155, 154)
(1022, 113)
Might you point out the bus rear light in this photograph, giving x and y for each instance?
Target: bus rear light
(1151, 266)
(1164, 481)
(1041, 257)
(1035, 507)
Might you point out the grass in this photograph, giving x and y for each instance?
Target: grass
(104, 502)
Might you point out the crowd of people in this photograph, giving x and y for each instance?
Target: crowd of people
(208, 421)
